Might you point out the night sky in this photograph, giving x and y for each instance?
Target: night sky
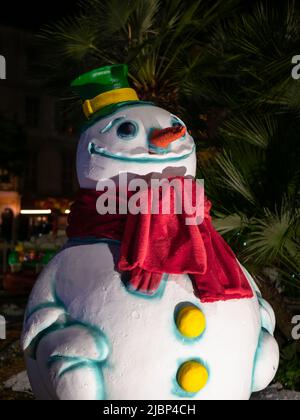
(32, 14)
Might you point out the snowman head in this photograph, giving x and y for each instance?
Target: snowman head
(125, 135)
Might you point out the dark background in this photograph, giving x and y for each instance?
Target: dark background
(31, 14)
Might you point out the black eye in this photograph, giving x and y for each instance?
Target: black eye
(127, 130)
(177, 123)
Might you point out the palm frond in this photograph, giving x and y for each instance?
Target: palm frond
(255, 129)
(233, 179)
(232, 224)
(143, 19)
(273, 236)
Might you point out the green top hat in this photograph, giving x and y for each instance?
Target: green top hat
(105, 90)
(98, 81)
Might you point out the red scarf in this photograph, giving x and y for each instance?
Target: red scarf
(153, 245)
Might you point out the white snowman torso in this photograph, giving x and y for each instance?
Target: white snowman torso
(86, 336)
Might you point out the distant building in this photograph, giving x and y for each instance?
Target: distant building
(50, 165)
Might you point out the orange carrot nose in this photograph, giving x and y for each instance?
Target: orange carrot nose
(163, 138)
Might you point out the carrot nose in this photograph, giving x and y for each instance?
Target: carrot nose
(163, 138)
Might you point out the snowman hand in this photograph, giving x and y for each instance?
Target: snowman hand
(268, 319)
(40, 321)
(69, 360)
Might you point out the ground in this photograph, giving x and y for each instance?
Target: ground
(14, 383)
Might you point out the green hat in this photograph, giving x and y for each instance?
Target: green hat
(105, 90)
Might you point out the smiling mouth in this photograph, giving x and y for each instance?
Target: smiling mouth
(100, 151)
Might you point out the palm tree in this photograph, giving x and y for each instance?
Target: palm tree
(247, 65)
(161, 41)
(255, 185)
(257, 172)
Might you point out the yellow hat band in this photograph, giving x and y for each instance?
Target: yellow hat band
(91, 106)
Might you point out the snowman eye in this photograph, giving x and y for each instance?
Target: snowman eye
(128, 130)
(176, 122)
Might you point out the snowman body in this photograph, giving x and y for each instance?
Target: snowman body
(87, 336)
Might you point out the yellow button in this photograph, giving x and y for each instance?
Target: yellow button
(192, 377)
(191, 322)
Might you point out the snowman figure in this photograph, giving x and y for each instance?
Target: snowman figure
(126, 313)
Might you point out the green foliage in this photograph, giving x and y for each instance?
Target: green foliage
(249, 60)
(255, 180)
(254, 183)
(289, 371)
(160, 40)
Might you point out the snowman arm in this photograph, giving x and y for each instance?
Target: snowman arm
(267, 354)
(70, 360)
(73, 344)
(71, 339)
(41, 319)
(268, 319)
(44, 309)
(44, 291)
(266, 362)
